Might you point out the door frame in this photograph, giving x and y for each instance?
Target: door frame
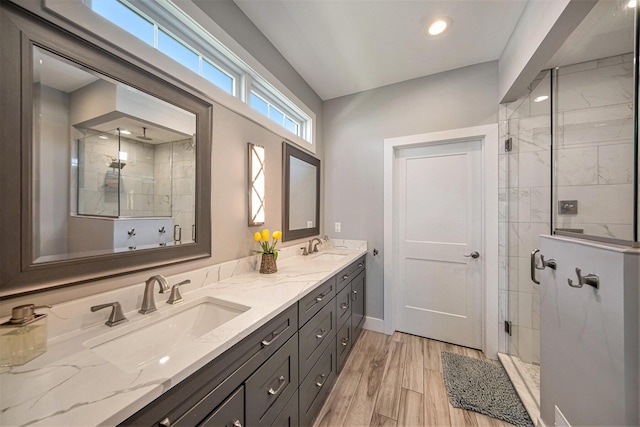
(488, 134)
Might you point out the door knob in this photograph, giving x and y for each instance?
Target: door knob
(473, 255)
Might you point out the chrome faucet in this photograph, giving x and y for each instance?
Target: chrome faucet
(312, 247)
(148, 303)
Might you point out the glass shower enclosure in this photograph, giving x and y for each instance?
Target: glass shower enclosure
(570, 164)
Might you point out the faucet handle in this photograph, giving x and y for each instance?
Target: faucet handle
(117, 315)
(176, 296)
(304, 251)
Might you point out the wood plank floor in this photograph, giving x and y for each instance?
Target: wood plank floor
(392, 381)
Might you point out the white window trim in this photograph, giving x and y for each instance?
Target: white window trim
(187, 10)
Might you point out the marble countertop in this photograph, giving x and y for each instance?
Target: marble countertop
(72, 385)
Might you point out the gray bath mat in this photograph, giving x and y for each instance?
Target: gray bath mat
(482, 387)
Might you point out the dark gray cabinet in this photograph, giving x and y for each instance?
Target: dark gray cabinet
(357, 305)
(315, 336)
(316, 385)
(229, 414)
(280, 375)
(268, 390)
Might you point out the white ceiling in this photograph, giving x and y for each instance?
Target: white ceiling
(346, 46)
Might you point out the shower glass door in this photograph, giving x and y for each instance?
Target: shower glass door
(525, 194)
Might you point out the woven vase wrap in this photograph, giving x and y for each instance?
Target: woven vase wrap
(268, 264)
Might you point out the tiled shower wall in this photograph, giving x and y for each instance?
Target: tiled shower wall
(593, 159)
(593, 146)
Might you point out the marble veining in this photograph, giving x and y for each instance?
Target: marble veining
(71, 385)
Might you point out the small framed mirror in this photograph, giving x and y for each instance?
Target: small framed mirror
(301, 194)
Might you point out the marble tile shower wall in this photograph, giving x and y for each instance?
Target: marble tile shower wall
(99, 183)
(593, 146)
(183, 199)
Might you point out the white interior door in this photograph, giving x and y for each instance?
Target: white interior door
(439, 219)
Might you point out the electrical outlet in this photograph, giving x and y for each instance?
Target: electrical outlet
(338, 227)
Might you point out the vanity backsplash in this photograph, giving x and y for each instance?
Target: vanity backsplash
(74, 315)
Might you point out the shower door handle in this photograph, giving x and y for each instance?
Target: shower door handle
(473, 255)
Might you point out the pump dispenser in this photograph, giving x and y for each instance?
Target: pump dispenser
(24, 336)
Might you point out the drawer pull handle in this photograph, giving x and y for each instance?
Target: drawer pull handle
(360, 265)
(321, 334)
(165, 423)
(273, 392)
(345, 342)
(320, 297)
(275, 335)
(344, 305)
(237, 423)
(320, 384)
(345, 277)
(355, 295)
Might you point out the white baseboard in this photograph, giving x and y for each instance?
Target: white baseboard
(374, 324)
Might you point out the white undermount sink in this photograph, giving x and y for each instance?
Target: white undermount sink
(330, 256)
(134, 346)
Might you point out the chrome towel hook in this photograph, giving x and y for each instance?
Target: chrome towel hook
(589, 279)
(552, 264)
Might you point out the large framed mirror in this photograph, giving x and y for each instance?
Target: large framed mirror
(109, 164)
(301, 180)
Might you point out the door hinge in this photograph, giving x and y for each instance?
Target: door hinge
(507, 327)
(508, 144)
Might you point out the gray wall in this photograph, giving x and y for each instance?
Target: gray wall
(355, 127)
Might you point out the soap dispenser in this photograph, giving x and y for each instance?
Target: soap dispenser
(24, 336)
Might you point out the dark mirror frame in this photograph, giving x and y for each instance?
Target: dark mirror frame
(19, 31)
(289, 151)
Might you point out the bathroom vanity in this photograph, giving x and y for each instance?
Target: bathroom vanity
(272, 363)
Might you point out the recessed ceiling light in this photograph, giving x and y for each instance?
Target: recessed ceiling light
(540, 98)
(439, 26)
(632, 4)
(124, 132)
(103, 137)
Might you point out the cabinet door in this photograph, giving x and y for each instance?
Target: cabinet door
(357, 306)
(230, 413)
(343, 301)
(316, 386)
(289, 415)
(343, 344)
(270, 387)
(315, 336)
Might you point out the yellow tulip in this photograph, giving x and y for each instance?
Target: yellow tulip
(277, 235)
(265, 235)
(257, 236)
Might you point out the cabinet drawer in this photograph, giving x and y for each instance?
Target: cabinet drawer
(190, 401)
(289, 415)
(270, 387)
(350, 271)
(312, 303)
(317, 385)
(343, 305)
(343, 345)
(229, 414)
(315, 336)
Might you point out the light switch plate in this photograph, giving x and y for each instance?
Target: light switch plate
(338, 227)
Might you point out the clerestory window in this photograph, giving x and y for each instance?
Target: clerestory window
(221, 68)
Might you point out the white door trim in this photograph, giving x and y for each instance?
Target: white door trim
(489, 136)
